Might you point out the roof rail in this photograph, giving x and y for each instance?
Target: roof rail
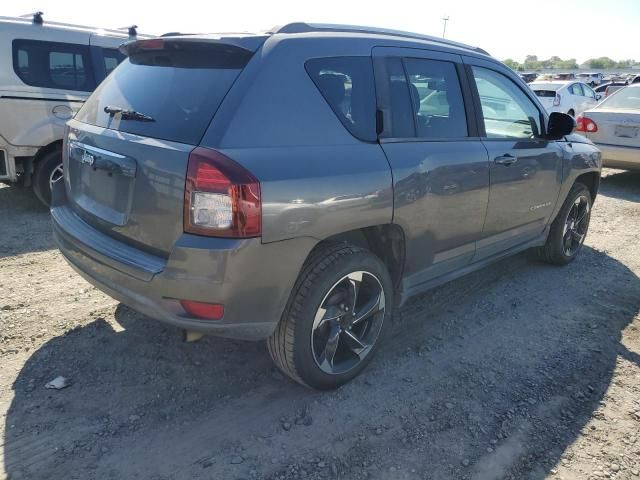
(132, 31)
(36, 19)
(302, 27)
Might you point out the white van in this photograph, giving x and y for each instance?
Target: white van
(47, 71)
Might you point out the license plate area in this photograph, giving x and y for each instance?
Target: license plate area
(624, 131)
(102, 182)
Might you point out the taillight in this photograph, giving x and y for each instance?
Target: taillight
(556, 101)
(221, 198)
(585, 124)
(206, 311)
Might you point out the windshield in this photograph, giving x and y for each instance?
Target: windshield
(624, 99)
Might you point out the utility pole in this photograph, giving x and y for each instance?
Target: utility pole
(445, 20)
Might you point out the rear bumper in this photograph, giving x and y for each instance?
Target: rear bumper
(8, 154)
(252, 280)
(613, 156)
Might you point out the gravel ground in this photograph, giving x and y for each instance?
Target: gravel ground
(518, 371)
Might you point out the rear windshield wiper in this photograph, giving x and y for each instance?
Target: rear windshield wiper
(128, 114)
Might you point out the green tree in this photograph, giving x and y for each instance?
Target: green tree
(531, 62)
(512, 64)
(570, 64)
(626, 63)
(601, 63)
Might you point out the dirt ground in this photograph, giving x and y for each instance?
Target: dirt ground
(518, 371)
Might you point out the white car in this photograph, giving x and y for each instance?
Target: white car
(47, 71)
(570, 97)
(592, 79)
(614, 126)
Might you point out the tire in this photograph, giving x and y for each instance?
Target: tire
(572, 113)
(300, 343)
(555, 249)
(42, 176)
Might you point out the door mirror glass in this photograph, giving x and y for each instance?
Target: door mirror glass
(560, 124)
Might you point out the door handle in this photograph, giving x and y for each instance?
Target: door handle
(505, 160)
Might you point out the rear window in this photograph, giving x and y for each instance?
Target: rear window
(626, 99)
(180, 85)
(545, 93)
(346, 83)
(56, 65)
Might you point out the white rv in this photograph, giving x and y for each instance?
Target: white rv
(47, 71)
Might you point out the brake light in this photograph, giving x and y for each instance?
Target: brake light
(556, 101)
(585, 124)
(221, 198)
(151, 44)
(206, 311)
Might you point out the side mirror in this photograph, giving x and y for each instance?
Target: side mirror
(560, 124)
(598, 96)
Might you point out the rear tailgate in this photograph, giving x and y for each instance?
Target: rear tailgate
(615, 127)
(127, 150)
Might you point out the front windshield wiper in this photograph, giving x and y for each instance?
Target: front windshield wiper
(128, 114)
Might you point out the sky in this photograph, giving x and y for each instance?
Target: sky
(578, 29)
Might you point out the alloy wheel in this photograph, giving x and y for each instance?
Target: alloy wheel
(347, 323)
(575, 227)
(56, 174)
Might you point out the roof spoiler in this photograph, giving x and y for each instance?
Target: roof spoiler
(247, 43)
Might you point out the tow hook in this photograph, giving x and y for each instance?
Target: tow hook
(191, 336)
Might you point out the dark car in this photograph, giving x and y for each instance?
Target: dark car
(564, 76)
(602, 89)
(299, 185)
(528, 77)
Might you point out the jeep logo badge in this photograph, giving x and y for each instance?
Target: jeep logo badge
(87, 158)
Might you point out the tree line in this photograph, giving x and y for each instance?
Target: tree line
(532, 62)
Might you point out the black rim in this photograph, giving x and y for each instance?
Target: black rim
(347, 323)
(575, 226)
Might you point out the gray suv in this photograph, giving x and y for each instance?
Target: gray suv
(299, 185)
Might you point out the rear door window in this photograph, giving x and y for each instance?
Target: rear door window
(56, 65)
(347, 84)
(179, 85)
(436, 98)
(425, 99)
(576, 89)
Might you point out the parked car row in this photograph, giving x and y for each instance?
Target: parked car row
(591, 79)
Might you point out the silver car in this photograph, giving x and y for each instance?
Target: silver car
(614, 126)
(299, 185)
